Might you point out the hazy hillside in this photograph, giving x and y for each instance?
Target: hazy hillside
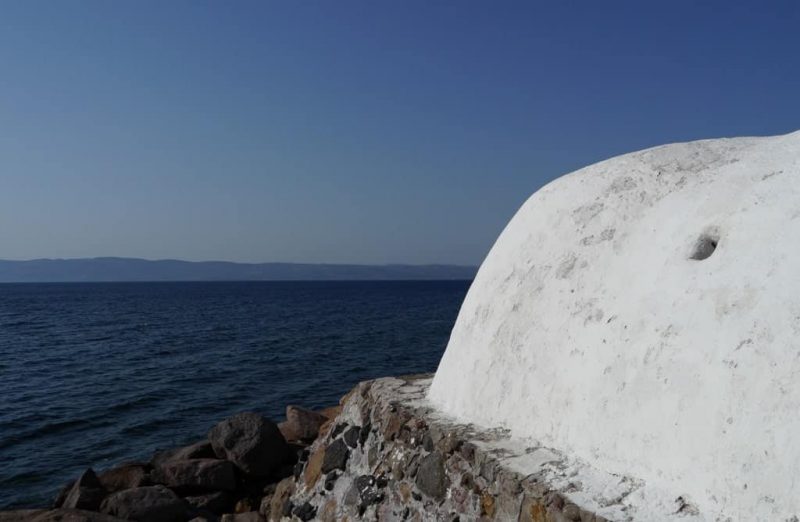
(129, 269)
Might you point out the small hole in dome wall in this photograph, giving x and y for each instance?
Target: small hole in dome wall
(705, 246)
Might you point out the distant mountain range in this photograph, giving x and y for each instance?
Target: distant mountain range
(107, 269)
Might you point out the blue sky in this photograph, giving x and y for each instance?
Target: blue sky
(342, 131)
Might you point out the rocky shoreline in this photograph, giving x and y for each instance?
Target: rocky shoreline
(231, 475)
(381, 454)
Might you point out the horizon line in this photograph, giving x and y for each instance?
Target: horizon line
(157, 260)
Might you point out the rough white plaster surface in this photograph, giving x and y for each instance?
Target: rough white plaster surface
(591, 330)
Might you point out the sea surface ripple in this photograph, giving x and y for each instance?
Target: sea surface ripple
(98, 374)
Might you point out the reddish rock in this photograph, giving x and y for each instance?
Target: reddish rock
(199, 450)
(126, 476)
(331, 412)
(274, 510)
(301, 424)
(314, 467)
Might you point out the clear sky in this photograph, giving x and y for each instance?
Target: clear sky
(337, 131)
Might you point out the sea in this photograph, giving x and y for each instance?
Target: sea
(96, 374)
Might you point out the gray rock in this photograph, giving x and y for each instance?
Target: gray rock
(150, 503)
(196, 474)
(368, 491)
(254, 444)
(330, 480)
(363, 435)
(351, 497)
(351, 436)
(431, 477)
(335, 456)
(339, 428)
(571, 512)
(427, 442)
(305, 512)
(86, 493)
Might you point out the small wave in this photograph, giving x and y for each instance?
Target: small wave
(17, 324)
(143, 428)
(108, 372)
(134, 403)
(21, 479)
(51, 429)
(100, 339)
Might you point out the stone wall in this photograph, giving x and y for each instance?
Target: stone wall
(389, 457)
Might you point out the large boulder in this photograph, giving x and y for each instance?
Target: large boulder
(85, 493)
(301, 424)
(196, 474)
(150, 503)
(254, 444)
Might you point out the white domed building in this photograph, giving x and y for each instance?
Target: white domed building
(643, 315)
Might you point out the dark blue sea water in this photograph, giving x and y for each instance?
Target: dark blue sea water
(97, 374)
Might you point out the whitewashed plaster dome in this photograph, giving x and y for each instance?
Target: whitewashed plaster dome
(643, 314)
